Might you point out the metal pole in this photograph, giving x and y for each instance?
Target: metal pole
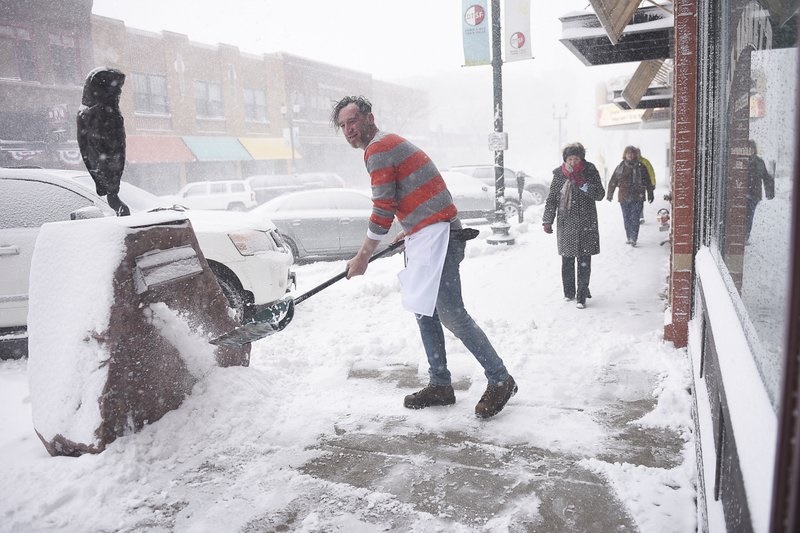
(500, 226)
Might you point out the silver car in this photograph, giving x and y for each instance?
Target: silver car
(250, 261)
(322, 223)
(537, 188)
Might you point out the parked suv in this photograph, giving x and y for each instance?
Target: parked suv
(538, 187)
(231, 195)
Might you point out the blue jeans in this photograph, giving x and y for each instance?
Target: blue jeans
(450, 312)
(631, 214)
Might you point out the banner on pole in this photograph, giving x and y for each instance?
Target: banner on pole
(476, 32)
(518, 29)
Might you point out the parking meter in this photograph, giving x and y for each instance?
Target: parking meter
(520, 188)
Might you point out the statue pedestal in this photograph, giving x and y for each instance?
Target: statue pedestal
(121, 310)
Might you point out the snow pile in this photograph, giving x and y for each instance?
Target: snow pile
(71, 292)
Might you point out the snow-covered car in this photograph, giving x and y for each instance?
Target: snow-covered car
(475, 199)
(322, 223)
(249, 259)
(472, 198)
(537, 187)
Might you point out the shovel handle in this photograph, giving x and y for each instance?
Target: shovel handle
(392, 247)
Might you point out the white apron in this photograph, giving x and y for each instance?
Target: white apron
(419, 281)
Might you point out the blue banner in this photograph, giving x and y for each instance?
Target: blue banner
(476, 31)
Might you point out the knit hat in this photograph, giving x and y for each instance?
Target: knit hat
(574, 149)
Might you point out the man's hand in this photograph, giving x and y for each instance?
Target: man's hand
(358, 265)
(548, 228)
(650, 197)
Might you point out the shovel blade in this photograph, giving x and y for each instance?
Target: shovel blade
(266, 322)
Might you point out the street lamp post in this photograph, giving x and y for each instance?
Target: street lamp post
(498, 140)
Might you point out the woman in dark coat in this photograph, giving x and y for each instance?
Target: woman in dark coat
(575, 188)
(633, 180)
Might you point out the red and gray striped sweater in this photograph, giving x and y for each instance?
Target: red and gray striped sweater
(405, 183)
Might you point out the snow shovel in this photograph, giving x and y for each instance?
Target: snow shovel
(278, 315)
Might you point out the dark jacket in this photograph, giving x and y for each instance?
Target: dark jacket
(575, 212)
(758, 175)
(633, 181)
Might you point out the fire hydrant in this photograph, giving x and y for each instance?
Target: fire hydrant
(662, 216)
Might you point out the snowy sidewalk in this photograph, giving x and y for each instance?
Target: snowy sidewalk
(314, 437)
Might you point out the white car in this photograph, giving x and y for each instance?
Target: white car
(249, 258)
(231, 195)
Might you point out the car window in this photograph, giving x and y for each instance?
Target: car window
(237, 187)
(352, 200)
(218, 188)
(29, 204)
(195, 190)
(309, 201)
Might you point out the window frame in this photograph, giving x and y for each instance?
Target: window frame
(145, 102)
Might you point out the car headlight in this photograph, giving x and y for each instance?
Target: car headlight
(252, 242)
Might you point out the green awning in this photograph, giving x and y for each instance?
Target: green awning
(217, 149)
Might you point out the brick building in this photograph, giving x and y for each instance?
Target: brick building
(44, 55)
(193, 111)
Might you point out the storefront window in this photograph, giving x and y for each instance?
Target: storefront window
(754, 164)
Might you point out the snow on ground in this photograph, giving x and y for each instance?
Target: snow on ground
(313, 435)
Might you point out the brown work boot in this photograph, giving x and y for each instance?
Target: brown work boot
(495, 398)
(431, 395)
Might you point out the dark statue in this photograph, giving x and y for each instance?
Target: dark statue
(101, 133)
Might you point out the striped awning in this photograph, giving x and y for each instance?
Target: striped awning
(267, 148)
(217, 148)
(156, 149)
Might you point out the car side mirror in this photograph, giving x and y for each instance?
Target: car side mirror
(90, 211)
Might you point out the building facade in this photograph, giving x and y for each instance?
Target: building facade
(44, 56)
(192, 111)
(199, 112)
(734, 276)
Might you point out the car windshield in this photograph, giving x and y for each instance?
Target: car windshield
(138, 200)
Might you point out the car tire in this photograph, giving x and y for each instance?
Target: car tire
(292, 247)
(237, 206)
(512, 210)
(232, 290)
(539, 195)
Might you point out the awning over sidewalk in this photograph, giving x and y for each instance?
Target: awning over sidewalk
(217, 149)
(156, 149)
(647, 35)
(268, 148)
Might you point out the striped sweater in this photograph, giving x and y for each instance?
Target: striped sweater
(405, 183)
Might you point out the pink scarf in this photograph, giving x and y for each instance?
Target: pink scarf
(576, 176)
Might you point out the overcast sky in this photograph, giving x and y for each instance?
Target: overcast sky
(388, 40)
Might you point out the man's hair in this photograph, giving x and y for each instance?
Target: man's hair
(364, 107)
